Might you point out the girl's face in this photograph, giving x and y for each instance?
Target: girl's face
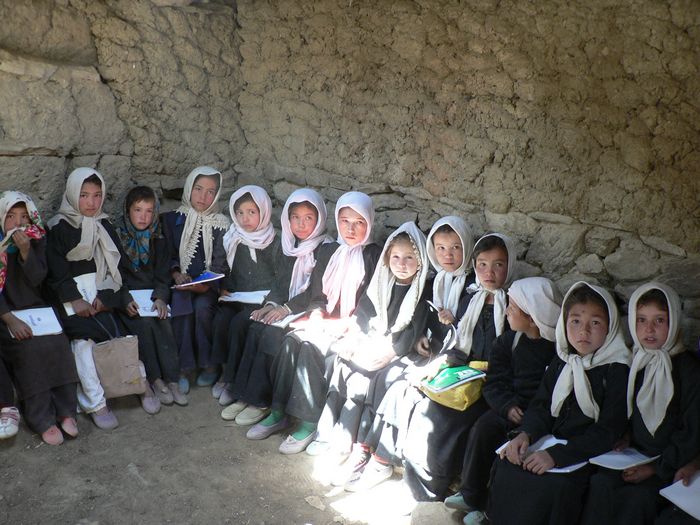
(352, 226)
(586, 327)
(141, 214)
(448, 250)
(492, 268)
(90, 200)
(16, 217)
(248, 216)
(652, 326)
(302, 221)
(518, 320)
(203, 193)
(403, 262)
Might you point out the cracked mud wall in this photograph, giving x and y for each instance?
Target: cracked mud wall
(575, 129)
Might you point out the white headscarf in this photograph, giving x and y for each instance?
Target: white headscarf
(448, 286)
(95, 243)
(657, 388)
(346, 267)
(304, 251)
(382, 283)
(264, 233)
(539, 298)
(465, 327)
(197, 222)
(573, 375)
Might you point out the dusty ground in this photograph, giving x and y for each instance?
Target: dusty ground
(182, 466)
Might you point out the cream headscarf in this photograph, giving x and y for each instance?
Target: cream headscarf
(448, 286)
(382, 283)
(304, 250)
(465, 327)
(197, 223)
(95, 243)
(346, 267)
(539, 298)
(573, 375)
(657, 388)
(264, 233)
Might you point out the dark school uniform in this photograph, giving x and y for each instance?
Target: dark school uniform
(43, 367)
(514, 374)
(7, 393)
(340, 420)
(519, 496)
(232, 320)
(436, 436)
(193, 314)
(301, 369)
(676, 442)
(157, 346)
(61, 239)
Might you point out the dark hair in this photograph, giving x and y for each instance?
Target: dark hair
(584, 295)
(446, 229)
(137, 194)
(215, 178)
(488, 243)
(246, 197)
(93, 179)
(656, 297)
(399, 238)
(292, 208)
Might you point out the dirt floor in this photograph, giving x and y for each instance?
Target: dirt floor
(184, 465)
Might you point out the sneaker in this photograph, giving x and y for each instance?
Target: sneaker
(178, 397)
(294, 446)
(149, 401)
(163, 393)
(52, 436)
(259, 431)
(352, 468)
(230, 412)
(372, 475)
(318, 448)
(104, 419)
(70, 426)
(207, 377)
(9, 422)
(217, 389)
(251, 415)
(456, 502)
(184, 385)
(226, 398)
(475, 517)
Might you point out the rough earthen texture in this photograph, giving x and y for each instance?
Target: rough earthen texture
(575, 129)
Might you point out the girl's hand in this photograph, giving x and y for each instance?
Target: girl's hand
(638, 474)
(82, 308)
(445, 316)
(372, 359)
(422, 347)
(19, 328)
(99, 306)
(687, 472)
(622, 443)
(181, 278)
(276, 314)
(260, 313)
(132, 309)
(161, 307)
(515, 415)
(538, 462)
(22, 241)
(516, 449)
(198, 288)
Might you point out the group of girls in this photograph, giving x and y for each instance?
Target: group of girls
(328, 342)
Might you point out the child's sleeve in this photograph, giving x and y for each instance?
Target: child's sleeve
(121, 298)
(218, 257)
(172, 242)
(405, 340)
(499, 390)
(314, 298)
(35, 268)
(538, 420)
(161, 271)
(60, 279)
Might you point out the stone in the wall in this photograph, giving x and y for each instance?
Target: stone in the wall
(691, 332)
(556, 247)
(683, 276)
(663, 246)
(566, 281)
(41, 177)
(522, 269)
(691, 308)
(602, 241)
(590, 264)
(632, 261)
(513, 223)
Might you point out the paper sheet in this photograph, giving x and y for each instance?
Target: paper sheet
(87, 286)
(544, 443)
(621, 460)
(254, 297)
(200, 279)
(42, 321)
(143, 299)
(685, 498)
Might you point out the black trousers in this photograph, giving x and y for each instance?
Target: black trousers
(157, 347)
(42, 410)
(7, 394)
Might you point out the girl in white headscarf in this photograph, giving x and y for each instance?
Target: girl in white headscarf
(194, 235)
(303, 365)
(581, 400)
(83, 252)
(516, 365)
(663, 402)
(42, 367)
(254, 256)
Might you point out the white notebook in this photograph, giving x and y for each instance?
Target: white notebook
(254, 297)
(622, 459)
(685, 498)
(143, 299)
(87, 286)
(42, 321)
(544, 443)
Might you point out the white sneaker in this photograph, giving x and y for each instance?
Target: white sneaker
(9, 422)
(372, 475)
(230, 412)
(251, 415)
